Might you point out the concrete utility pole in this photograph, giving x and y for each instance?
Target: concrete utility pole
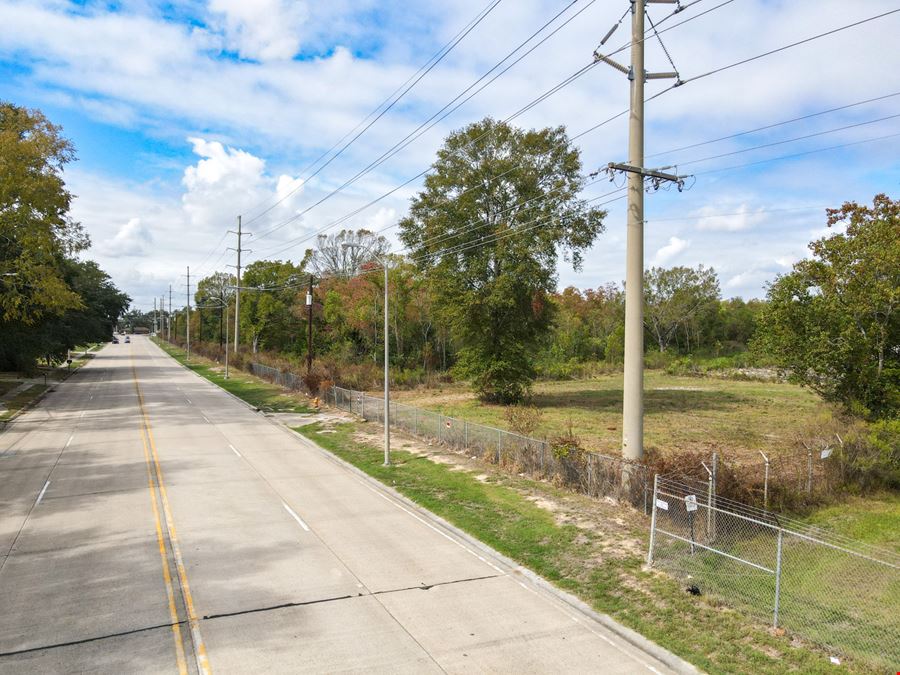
(237, 298)
(188, 313)
(309, 320)
(169, 322)
(633, 399)
(155, 316)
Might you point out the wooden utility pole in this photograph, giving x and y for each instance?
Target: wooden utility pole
(309, 321)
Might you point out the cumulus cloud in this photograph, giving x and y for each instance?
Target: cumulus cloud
(670, 250)
(262, 30)
(132, 239)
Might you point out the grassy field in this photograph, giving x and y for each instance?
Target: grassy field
(255, 391)
(588, 562)
(737, 418)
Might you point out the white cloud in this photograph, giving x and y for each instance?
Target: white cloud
(670, 251)
(132, 239)
(261, 29)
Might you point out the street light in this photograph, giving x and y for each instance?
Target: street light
(387, 386)
(225, 306)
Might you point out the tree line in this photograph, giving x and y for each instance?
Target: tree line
(50, 299)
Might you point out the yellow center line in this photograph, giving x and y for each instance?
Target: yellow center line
(199, 647)
(167, 576)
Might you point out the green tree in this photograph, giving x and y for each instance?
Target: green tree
(833, 322)
(213, 294)
(677, 298)
(267, 319)
(36, 232)
(487, 230)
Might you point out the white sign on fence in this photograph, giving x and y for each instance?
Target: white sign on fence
(690, 502)
(662, 504)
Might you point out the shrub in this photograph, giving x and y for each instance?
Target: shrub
(523, 419)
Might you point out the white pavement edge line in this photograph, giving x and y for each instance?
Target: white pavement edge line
(295, 516)
(69, 442)
(234, 450)
(640, 642)
(41, 496)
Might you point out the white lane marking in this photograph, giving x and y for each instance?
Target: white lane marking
(429, 525)
(41, 496)
(91, 397)
(295, 516)
(69, 442)
(188, 400)
(82, 413)
(206, 418)
(234, 449)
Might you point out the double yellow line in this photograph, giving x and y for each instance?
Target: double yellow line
(158, 496)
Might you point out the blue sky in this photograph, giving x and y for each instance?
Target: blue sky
(185, 115)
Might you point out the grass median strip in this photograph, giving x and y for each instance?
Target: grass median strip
(503, 512)
(255, 391)
(20, 401)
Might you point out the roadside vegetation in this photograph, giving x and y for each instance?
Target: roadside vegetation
(593, 549)
(255, 391)
(50, 299)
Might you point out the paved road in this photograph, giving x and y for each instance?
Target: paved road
(149, 522)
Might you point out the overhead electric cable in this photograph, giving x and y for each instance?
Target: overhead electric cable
(385, 105)
(441, 114)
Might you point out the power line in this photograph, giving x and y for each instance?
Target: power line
(348, 216)
(788, 140)
(798, 154)
(793, 44)
(387, 104)
(774, 124)
(441, 114)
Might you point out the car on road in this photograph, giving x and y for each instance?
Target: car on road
(127, 339)
(115, 340)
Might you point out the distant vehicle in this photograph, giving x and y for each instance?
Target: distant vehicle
(127, 339)
(115, 340)
(141, 330)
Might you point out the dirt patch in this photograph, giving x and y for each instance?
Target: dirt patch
(610, 528)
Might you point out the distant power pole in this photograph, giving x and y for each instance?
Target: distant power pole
(155, 316)
(633, 398)
(237, 296)
(309, 320)
(169, 322)
(188, 313)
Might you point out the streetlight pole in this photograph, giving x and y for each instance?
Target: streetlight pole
(387, 343)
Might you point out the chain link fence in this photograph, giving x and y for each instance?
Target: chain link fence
(841, 594)
(590, 473)
(285, 378)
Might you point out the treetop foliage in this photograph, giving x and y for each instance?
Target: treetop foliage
(833, 321)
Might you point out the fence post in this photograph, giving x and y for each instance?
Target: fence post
(715, 470)
(778, 578)
(653, 522)
(415, 421)
(362, 407)
(466, 432)
(809, 471)
(440, 424)
(499, 445)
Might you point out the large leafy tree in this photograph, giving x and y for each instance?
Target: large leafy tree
(36, 232)
(833, 323)
(495, 214)
(677, 298)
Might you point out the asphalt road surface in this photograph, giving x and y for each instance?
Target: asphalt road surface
(149, 522)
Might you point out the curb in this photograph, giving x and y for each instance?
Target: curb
(630, 636)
